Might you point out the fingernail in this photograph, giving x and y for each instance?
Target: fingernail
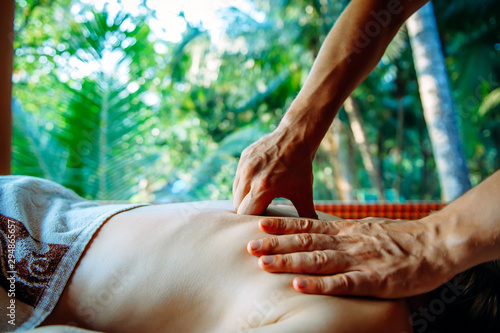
(256, 244)
(266, 223)
(267, 260)
(300, 283)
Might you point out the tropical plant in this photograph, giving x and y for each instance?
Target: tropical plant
(95, 146)
(106, 106)
(439, 110)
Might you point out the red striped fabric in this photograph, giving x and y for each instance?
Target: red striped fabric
(356, 211)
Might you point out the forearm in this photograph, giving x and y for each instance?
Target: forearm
(471, 225)
(351, 50)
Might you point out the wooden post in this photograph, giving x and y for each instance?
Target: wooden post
(6, 56)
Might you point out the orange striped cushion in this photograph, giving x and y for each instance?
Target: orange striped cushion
(406, 211)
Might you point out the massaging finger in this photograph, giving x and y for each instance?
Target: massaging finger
(235, 188)
(304, 242)
(242, 183)
(246, 174)
(241, 192)
(254, 204)
(316, 262)
(305, 206)
(350, 283)
(291, 225)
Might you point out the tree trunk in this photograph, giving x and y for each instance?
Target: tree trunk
(353, 114)
(6, 41)
(400, 93)
(439, 112)
(336, 145)
(348, 180)
(399, 148)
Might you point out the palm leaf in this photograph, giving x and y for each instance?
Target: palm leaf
(489, 103)
(101, 124)
(34, 151)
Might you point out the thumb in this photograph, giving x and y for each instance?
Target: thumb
(305, 206)
(253, 205)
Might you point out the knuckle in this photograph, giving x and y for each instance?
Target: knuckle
(305, 240)
(382, 281)
(247, 151)
(305, 225)
(319, 259)
(243, 157)
(281, 224)
(331, 226)
(331, 240)
(321, 286)
(287, 259)
(345, 223)
(274, 242)
(247, 171)
(345, 283)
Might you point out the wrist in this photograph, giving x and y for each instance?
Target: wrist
(463, 242)
(308, 124)
(292, 140)
(450, 250)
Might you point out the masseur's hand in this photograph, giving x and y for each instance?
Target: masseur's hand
(370, 257)
(278, 165)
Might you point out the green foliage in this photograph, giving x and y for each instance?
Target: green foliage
(95, 139)
(105, 106)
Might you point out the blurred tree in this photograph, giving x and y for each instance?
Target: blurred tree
(351, 108)
(439, 111)
(107, 106)
(336, 145)
(470, 35)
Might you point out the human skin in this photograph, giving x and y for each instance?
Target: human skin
(280, 164)
(369, 257)
(185, 268)
(381, 258)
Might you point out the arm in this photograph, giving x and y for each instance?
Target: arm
(381, 258)
(471, 224)
(350, 52)
(279, 165)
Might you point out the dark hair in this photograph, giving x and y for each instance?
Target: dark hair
(475, 306)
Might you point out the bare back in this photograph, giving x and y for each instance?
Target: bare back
(185, 268)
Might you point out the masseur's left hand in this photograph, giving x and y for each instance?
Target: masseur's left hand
(277, 165)
(371, 257)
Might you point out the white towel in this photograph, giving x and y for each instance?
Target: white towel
(44, 229)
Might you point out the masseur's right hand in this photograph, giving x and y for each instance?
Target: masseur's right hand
(278, 165)
(384, 258)
(370, 257)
